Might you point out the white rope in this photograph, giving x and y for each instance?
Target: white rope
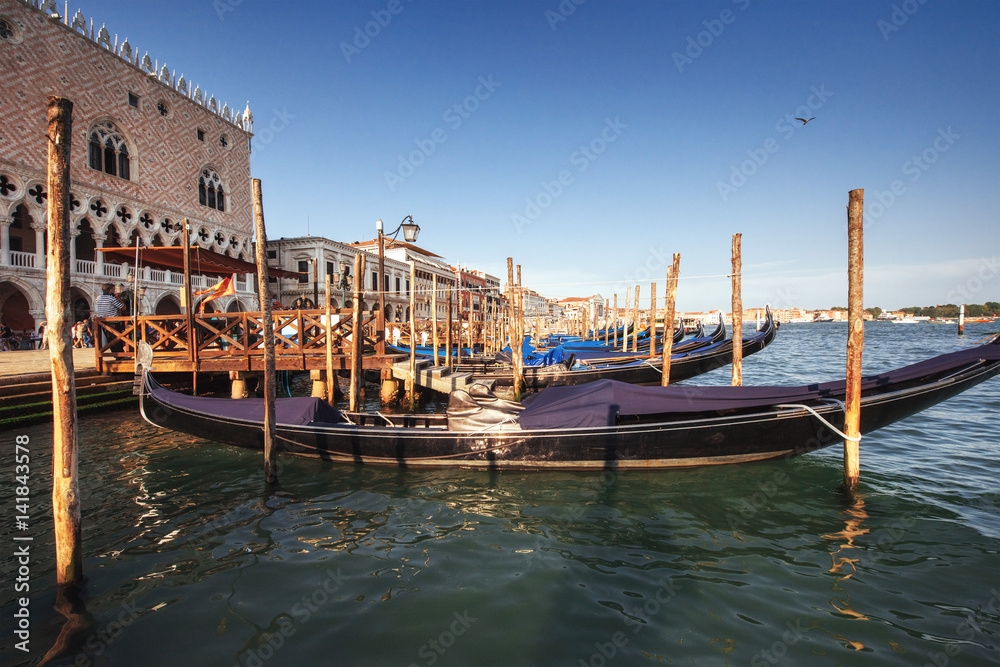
(822, 419)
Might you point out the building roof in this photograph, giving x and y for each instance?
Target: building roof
(394, 243)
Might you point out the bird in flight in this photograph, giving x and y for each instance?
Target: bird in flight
(806, 120)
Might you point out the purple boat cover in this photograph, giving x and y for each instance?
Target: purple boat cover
(599, 403)
(293, 411)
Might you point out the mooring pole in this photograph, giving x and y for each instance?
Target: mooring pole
(635, 329)
(737, 311)
(411, 378)
(673, 273)
(447, 338)
(855, 335)
(434, 315)
(331, 379)
(65, 456)
(519, 327)
(357, 336)
(652, 320)
(961, 320)
(267, 325)
(614, 334)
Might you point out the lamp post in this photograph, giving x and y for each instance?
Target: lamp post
(410, 232)
(342, 282)
(315, 282)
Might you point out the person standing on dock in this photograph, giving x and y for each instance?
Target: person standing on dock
(107, 305)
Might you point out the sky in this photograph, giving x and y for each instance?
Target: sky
(591, 139)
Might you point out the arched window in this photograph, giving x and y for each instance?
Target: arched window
(108, 151)
(210, 191)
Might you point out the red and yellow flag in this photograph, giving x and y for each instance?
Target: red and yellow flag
(222, 288)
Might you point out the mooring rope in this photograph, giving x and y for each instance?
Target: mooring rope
(822, 419)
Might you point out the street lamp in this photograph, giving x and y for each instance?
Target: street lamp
(410, 232)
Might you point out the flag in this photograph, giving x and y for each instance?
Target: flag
(222, 288)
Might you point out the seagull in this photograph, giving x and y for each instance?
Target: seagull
(806, 120)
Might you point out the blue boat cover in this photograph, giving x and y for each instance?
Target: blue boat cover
(599, 403)
(294, 411)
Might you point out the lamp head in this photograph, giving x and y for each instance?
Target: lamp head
(410, 231)
(378, 226)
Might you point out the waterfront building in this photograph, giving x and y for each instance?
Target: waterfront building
(426, 266)
(149, 148)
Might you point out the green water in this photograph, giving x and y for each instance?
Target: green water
(190, 561)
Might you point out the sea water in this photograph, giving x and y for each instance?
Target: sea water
(190, 560)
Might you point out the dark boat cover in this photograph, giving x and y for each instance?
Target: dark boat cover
(295, 411)
(600, 403)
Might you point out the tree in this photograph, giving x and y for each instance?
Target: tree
(874, 311)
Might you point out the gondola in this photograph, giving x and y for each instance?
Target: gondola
(632, 370)
(605, 424)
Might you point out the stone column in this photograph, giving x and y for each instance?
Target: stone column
(99, 257)
(40, 229)
(5, 222)
(73, 234)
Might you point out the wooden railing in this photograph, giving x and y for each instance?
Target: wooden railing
(230, 336)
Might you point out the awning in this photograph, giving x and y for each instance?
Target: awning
(203, 262)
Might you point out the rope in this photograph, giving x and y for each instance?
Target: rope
(822, 419)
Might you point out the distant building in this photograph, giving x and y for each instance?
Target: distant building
(148, 150)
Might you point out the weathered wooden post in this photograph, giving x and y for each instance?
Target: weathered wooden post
(331, 379)
(961, 320)
(267, 327)
(737, 312)
(447, 339)
(65, 455)
(519, 326)
(635, 315)
(627, 318)
(614, 342)
(673, 275)
(461, 316)
(855, 335)
(434, 315)
(357, 336)
(652, 320)
(411, 378)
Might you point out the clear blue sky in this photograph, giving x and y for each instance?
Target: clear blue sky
(686, 111)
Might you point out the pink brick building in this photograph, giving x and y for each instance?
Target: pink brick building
(149, 149)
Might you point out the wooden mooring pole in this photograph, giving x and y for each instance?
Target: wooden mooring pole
(331, 379)
(652, 321)
(855, 335)
(434, 316)
(961, 320)
(737, 311)
(267, 325)
(673, 272)
(635, 315)
(447, 338)
(357, 336)
(614, 334)
(411, 377)
(65, 456)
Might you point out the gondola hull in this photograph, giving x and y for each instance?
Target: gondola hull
(704, 438)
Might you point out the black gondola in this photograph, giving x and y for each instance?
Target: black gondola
(603, 425)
